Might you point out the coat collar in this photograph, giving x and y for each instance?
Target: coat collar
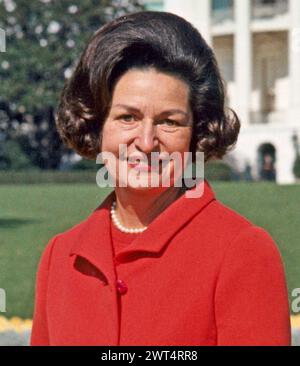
(93, 242)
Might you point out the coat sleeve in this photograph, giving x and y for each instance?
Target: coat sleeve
(39, 332)
(251, 297)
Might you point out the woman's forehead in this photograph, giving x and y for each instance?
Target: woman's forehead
(140, 89)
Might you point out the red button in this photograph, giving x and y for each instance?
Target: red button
(121, 287)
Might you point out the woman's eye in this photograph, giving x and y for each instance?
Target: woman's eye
(127, 117)
(170, 122)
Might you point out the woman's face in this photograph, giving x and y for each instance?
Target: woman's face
(150, 113)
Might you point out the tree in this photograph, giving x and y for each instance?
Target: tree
(44, 39)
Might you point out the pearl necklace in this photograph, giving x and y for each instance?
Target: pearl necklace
(120, 226)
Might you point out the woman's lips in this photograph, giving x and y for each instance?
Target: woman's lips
(144, 167)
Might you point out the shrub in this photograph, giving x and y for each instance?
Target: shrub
(47, 177)
(12, 157)
(296, 168)
(85, 164)
(219, 171)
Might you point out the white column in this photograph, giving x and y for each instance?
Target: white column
(201, 18)
(175, 6)
(294, 61)
(197, 12)
(243, 60)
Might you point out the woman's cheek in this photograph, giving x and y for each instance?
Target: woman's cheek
(110, 139)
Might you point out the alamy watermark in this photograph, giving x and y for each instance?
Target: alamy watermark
(2, 301)
(296, 301)
(2, 40)
(161, 170)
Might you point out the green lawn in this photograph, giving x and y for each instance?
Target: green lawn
(31, 214)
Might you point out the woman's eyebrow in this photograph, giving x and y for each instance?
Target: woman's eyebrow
(134, 109)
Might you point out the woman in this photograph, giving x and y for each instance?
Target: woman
(150, 265)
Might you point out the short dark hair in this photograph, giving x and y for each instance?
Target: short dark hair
(160, 40)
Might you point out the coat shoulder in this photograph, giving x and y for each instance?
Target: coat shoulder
(227, 225)
(223, 217)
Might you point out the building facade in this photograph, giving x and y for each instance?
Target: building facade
(257, 45)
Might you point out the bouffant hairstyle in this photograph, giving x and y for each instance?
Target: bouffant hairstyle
(142, 40)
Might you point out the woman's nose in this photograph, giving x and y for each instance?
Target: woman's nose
(146, 139)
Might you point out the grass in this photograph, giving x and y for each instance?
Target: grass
(31, 214)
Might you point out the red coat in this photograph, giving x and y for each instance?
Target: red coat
(201, 274)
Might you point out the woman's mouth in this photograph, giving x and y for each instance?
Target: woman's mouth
(144, 167)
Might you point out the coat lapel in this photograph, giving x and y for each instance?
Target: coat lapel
(169, 222)
(93, 242)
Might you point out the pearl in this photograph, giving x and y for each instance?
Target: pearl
(120, 226)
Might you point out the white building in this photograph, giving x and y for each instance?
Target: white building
(257, 44)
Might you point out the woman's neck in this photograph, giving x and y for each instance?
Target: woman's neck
(138, 208)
